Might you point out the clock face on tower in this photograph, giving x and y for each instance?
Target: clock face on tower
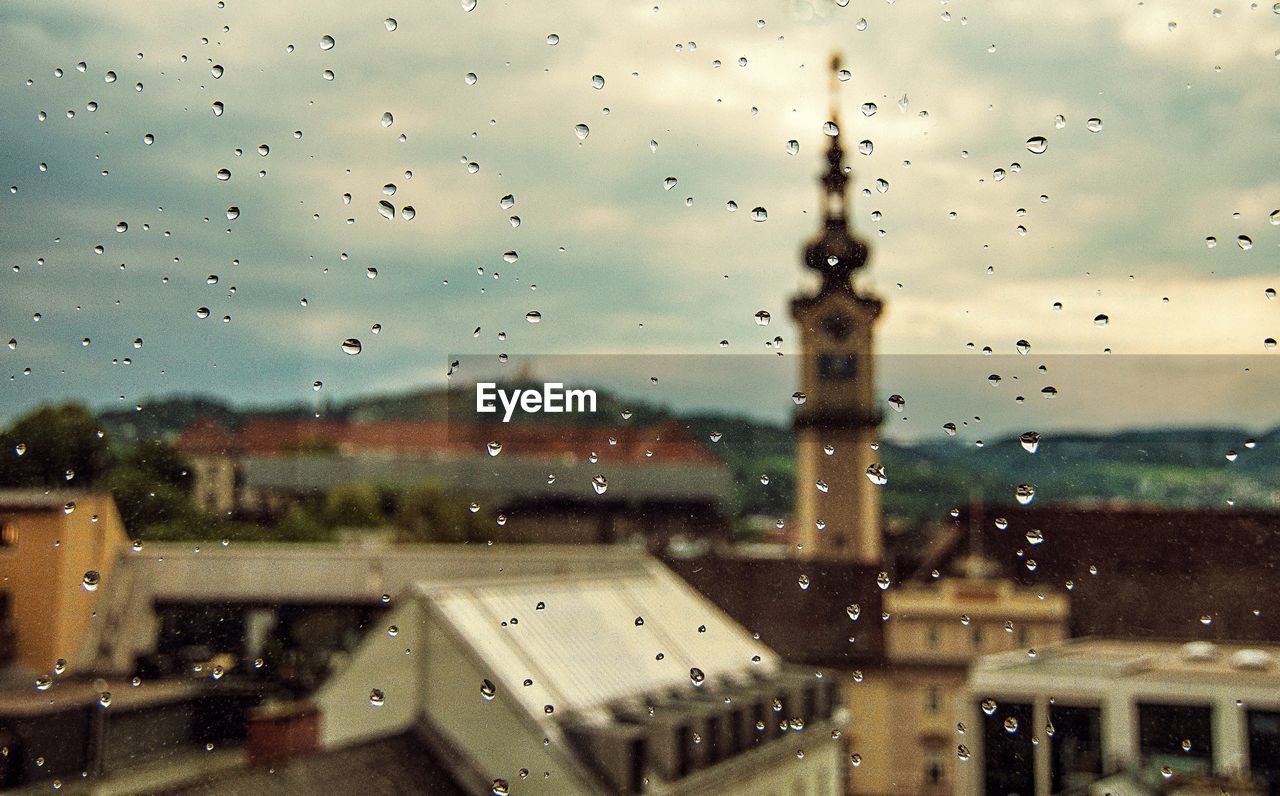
(837, 366)
(836, 327)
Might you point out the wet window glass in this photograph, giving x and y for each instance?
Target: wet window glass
(796, 396)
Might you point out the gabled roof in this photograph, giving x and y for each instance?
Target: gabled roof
(598, 640)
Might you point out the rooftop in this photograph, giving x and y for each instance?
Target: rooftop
(1104, 661)
(599, 638)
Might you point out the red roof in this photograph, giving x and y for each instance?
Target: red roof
(205, 436)
(666, 441)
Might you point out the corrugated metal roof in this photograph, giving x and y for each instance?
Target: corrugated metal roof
(584, 649)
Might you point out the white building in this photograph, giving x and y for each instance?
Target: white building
(529, 669)
(1122, 717)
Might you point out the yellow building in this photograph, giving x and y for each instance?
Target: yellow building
(56, 552)
(904, 716)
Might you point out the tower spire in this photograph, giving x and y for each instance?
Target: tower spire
(835, 252)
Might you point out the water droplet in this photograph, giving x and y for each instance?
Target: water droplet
(408, 213)
(854, 611)
(599, 483)
(1037, 145)
(386, 209)
(202, 312)
(104, 699)
(91, 580)
(377, 698)
(876, 475)
(217, 71)
(1023, 347)
(763, 318)
(233, 213)
(869, 109)
(1270, 293)
(798, 398)
(793, 147)
(390, 23)
(499, 786)
(488, 690)
(533, 316)
(553, 39)
(1244, 242)
(759, 214)
(1011, 725)
(669, 183)
(327, 42)
(1269, 343)
(43, 682)
(831, 128)
(1094, 125)
(1030, 441)
(1024, 493)
(581, 131)
(388, 119)
(697, 677)
(882, 580)
(897, 402)
(470, 78)
(1101, 320)
(351, 346)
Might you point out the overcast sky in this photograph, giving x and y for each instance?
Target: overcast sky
(1113, 221)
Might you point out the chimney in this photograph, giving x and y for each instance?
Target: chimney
(282, 730)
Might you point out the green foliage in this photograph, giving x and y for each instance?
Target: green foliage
(151, 485)
(427, 514)
(54, 440)
(300, 525)
(353, 505)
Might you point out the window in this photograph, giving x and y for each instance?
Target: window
(585, 371)
(976, 636)
(1177, 737)
(1075, 746)
(932, 699)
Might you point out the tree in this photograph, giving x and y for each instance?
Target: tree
(427, 514)
(42, 447)
(151, 485)
(353, 505)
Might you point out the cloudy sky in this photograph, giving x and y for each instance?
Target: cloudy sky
(974, 240)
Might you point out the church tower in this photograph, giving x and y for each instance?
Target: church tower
(837, 505)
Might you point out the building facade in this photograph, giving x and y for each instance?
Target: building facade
(1126, 717)
(56, 550)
